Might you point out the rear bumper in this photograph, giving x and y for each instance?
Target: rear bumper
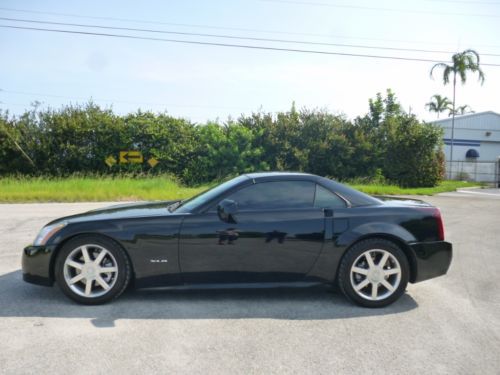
(36, 265)
(433, 259)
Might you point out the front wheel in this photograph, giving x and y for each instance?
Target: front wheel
(92, 270)
(374, 273)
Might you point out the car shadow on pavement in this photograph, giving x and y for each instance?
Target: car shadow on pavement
(20, 299)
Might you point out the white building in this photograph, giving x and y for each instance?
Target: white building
(476, 146)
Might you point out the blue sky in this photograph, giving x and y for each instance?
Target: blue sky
(207, 82)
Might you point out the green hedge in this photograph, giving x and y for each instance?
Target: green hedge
(385, 143)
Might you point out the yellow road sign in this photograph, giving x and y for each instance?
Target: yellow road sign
(131, 157)
(153, 162)
(110, 161)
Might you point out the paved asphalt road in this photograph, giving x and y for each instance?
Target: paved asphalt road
(450, 325)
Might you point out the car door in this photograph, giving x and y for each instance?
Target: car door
(276, 236)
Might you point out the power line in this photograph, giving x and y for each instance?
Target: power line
(197, 42)
(4, 104)
(166, 106)
(119, 100)
(106, 18)
(235, 37)
(465, 2)
(398, 10)
(196, 118)
(223, 27)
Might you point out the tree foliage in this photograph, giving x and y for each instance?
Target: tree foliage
(385, 143)
(438, 104)
(460, 110)
(407, 152)
(462, 63)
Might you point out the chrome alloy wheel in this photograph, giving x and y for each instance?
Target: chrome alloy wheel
(375, 274)
(90, 271)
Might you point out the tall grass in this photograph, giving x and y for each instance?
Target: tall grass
(79, 189)
(386, 189)
(130, 188)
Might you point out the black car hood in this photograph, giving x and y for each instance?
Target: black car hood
(122, 211)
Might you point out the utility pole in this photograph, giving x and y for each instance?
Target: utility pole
(452, 125)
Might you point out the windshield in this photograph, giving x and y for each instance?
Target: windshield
(208, 195)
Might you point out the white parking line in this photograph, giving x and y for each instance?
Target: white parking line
(478, 193)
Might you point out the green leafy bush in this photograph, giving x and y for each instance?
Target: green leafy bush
(408, 152)
(386, 144)
(411, 157)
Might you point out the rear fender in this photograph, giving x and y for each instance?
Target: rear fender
(327, 264)
(346, 239)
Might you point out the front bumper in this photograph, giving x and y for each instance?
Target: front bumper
(36, 265)
(433, 259)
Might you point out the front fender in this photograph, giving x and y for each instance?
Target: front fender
(151, 244)
(107, 228)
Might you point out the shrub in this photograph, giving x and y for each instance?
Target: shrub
(386, 144)
(408, 152)
(412, 158)
(463, 176)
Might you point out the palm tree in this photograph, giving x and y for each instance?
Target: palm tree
(462, 110)
(462, 63)
(438, 104)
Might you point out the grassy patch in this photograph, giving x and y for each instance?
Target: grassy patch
(444, 186)
(87, 189)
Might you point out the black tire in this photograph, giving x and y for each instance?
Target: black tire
(354, 254)
(121, 278)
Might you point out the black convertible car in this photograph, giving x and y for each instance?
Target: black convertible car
(256, 230)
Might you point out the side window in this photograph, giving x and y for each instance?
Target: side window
(275, 195)
(326, 199)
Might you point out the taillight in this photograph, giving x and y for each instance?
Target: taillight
(436, 213)
(440, 224)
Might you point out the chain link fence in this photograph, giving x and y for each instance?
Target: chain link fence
(481, 171)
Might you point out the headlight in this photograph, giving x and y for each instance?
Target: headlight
(47, 232)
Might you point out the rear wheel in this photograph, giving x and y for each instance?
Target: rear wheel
(374, 273)
(92, 270)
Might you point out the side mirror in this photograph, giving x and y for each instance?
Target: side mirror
(226, 209)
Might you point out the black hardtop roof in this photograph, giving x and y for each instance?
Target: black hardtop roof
(355, 197)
